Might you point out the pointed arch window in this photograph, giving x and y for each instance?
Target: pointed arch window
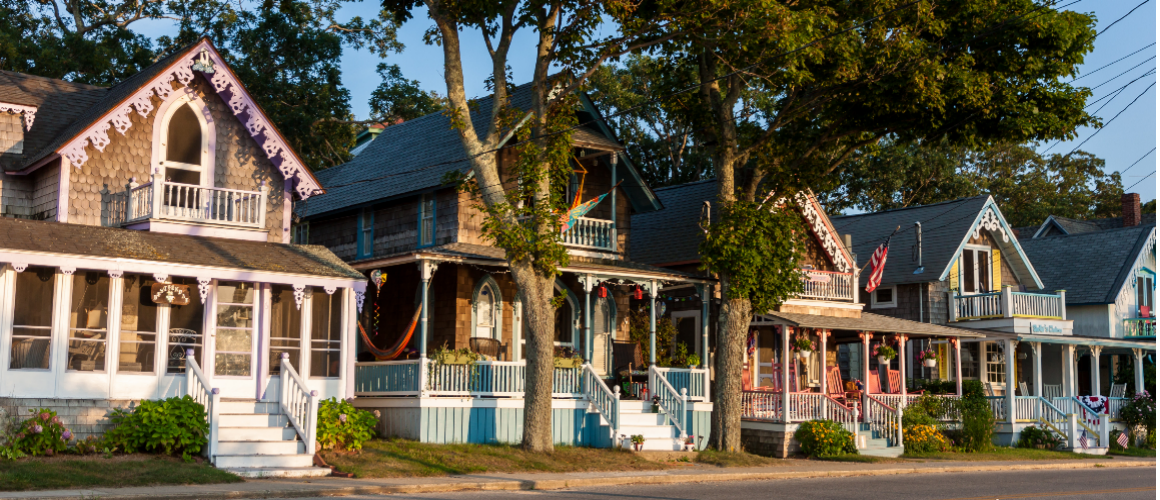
(487, 307)
(183, 152)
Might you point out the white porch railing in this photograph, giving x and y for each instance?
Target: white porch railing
(1036, 305)
(693, 380)
(197, 386)
(606, 401)
(671, 401)
(591, 233)
(883, 420)
(827, 285)
(761, 405)
(1115, 405)
(1140, 327)
(998, 407)
(1008, 304)
(186, 202)
(978, 306)
(481, 379)
(299, 404)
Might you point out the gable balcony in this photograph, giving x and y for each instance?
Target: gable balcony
(1140, 328)
(163, 205)
(591, 234)
(828, 285)
(1008, 310)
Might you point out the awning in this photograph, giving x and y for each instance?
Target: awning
(870, 322)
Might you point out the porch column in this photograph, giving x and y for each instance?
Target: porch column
(652, 323)
(426, 271)
(1138, 371)
(1009, 394)
(956, 344)
(1037, 348)
(865, 336)
(1068, 354)
(786, 331)
(705, 292)
(1095, 353)
(587, 281)
(822, 334)
(901, 368)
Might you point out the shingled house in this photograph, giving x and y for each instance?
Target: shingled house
(145, 254)
(390, 211)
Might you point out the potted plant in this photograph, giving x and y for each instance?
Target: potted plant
(802, 344)
(694, 360)
(928, 357)
(461, 356)
(637, 441)
(885, 353)
(567, 358)
(656, 404)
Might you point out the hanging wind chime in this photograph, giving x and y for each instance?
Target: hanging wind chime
(377, 277)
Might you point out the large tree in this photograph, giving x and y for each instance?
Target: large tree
(523, 217)
(796, 89)
(1029, 186)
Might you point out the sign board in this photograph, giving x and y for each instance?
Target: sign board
(1045, 328)
(169, 293)
(819, 278)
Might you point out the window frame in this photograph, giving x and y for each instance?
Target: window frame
(496, 327)
(975, 250)
(427, 214)
(875, 304)
(121, 331)
(998, 375)
(300, 233)
(82, 274)
(161, 136)
(254, 328)
(336, 307)
(13, 336)
(366, 233)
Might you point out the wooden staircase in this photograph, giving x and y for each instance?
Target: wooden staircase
(256, 440)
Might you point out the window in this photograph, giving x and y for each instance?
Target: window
(183, 147)
(300, 233)
(325, 333)
(969, 353)
(883, 297)
(186, 328)
(366, 246)
(138, 325)
(427, 220)
(996, 365)
(32, 318)
(485, 312)
(285, 329)
(976, 277)
(235, 329)
(88, 324)
(1144, 289)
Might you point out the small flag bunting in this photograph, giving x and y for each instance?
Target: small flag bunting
(1123, 439)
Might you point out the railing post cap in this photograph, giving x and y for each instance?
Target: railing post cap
(285, 355)
(189, 352)
(314, 393)
(215, 390)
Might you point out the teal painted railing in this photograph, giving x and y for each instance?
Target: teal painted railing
(694, 380)
(387, 378)
(675, 404)
(1140, 328)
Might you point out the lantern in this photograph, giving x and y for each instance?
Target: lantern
(601, 292)
(637, 294)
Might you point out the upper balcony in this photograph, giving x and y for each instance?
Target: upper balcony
(591, 234)
(166, 201)
(1009, 304)
(1140, 328)
(828, 285)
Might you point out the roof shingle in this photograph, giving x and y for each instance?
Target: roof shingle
(1091, 266)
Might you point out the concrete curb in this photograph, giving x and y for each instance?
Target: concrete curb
(556, 484)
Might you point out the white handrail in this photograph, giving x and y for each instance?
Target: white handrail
(884, 420)
(299, 404)
(670, 400)
(606, 401)
(197, 386)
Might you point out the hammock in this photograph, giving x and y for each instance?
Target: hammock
(395, 350)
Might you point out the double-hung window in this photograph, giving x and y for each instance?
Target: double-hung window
(976, 270)
(996, 364)
(300, 233)
(1144, 289)
(366, 247)
(427, 220)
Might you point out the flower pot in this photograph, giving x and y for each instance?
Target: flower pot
(882, 360)
(805, 353)
(456, 359)
(930, 363)
(637, 446)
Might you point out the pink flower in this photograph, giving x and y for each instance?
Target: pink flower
(45, 416)
(342, 418)
(37, 429)
(55, 419)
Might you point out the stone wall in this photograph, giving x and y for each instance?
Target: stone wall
(770, 440)
(84, 417)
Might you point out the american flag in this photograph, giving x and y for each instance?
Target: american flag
(1083, 440)
(751, 343)
(1123, 440)
(877, 264)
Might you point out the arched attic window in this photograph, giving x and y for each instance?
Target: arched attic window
(184, 150)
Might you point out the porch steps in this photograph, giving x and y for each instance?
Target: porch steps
(256, 440)
(877, 446)
(636, 417)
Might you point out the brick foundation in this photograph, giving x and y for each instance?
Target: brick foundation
(768, 439)
(84, 417)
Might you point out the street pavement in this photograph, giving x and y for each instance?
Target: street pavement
(1117, 484)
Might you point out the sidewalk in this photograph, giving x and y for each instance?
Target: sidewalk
(330, 486)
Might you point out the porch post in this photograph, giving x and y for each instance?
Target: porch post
(822, 334)
(586, 282)
(1068, 354)
(956, 344)
(705, 291)
(1095, 353)
(1037, 348)
(786, 331)
(652, 323)
(901, 368)
(1138, 357)
(865, 336)
(1009, 394)
(427, 270)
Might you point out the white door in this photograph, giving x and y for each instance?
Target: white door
(136, 358)
(186, 328)
(29, 327)
(233, 339)
(80, 359)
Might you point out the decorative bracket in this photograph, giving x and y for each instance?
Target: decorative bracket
(299, 294)
(203, 287)
(116, 273)
(588, 282)
(866, 336)
(20, 266)
(991, 222)
(68, 271)
(330, 290)
(161, 277)
(359, 295)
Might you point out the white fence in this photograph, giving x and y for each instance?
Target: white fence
(591, 233)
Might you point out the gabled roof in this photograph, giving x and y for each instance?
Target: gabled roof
(1067, 225)
(414, 156)
(946, 228)
(76, 117)
(1093, 266)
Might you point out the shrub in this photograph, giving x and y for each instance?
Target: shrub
(174, 426)
(823, 438)
(1038, 437)
(342, 426)
(978, 421)
(43, 434)
(924, 439)
(915, 415)
(1139, 416)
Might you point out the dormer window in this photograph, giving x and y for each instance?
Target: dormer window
(183, 144)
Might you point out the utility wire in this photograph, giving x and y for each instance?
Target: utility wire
(1108, 27)
(1139, 181)
(1153, 150)
(1109, 122)
(1124, 73)
(1137, 51)
(1113, 94)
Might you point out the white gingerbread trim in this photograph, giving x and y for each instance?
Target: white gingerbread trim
(827, 236)
(68, 270)
(359, 296)
(116, 273)
(227, 87)
(20, 266)
(203, 287)
(29, 112)
(161, 277)
(299, 294)
(330, 290)
(993, 223)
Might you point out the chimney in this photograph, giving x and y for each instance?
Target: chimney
(1130, 203)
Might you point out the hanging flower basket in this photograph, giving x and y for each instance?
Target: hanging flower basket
(883, 360)
(885, 353)
(930, 363)
(928, 357)
(805, 353)
(803, 345)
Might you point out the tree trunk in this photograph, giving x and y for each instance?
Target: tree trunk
(733, 324)
(539, 316)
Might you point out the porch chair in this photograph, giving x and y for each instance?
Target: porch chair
(834, 386)
(30, 354)
(1023, 389)
(485, 346)
(1051, 391)
(776, 378)
(989, 389)
(874, 385)
(1118, 390)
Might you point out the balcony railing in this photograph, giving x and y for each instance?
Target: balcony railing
(596, 234)
(186, 202)
(1140, 328)
(1007, 304)
(482, 379)
(827, 285)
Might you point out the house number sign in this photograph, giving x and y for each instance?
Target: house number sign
(169, 293)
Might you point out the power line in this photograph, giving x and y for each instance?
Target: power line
(1124, 73)
(1121, 18)
(1139, 181)
(1137, 51)
(1109, 122)
(1153, 150)
(1113, 94)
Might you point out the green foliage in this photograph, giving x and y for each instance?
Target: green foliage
(977, 420)
(1139, 415)
(824, 438)
(342, 426)
(914, 415)
(1039, 437)
(931, 386)
(398, 98)
(1126, 374)
(755, 245)
(43, 434)
(923, 438)
(173, 426)
(884, 351)
(637, 438)
(638, 326)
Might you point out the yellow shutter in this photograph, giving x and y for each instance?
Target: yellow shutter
(953, 279)
(942, 362)
(996, 270)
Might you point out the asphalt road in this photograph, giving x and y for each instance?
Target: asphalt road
(1117, 484)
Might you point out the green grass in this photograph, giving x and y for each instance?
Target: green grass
(867, 459)
(999, 453)
(70, 471)
(1133, 452)
(742, 459)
